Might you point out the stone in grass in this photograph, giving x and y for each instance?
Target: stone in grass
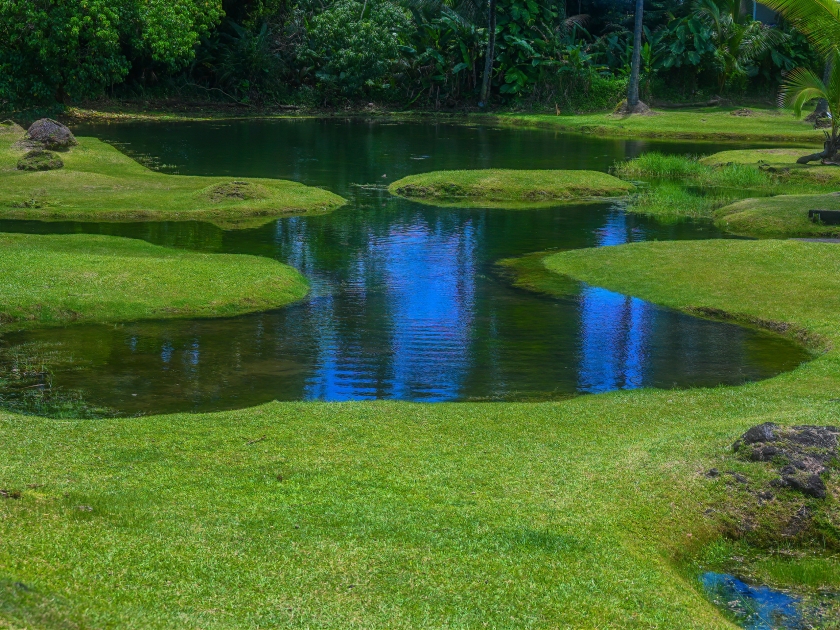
(40, 160)
(804, 453)
(50, 134)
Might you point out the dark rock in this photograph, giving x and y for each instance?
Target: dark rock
(714, 472)
(812, 485)
(762, 433)
(816, 437)
(50, 134)
(40, 160)
(764, 453)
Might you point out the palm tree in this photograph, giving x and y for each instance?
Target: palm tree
(633, 103)
(802, 86)
(819, 21)
(490, 53)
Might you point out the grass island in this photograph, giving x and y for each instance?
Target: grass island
(501, 188)
(99, 183)
(53, 280)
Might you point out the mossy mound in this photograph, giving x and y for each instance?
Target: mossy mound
(40, 160)
(779, 216)
(499, 188)
(236, 190)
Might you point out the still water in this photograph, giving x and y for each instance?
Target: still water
(407, 301)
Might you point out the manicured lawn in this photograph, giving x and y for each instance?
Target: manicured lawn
(570, 514)
(703, 123)
(99, 183)
(499, 187)
(57, 279)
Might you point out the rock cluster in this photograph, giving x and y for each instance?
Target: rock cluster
(50, 134)
(803, 454)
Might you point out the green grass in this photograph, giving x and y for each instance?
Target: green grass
(98, 183)
(498, 187)
(780, 216)
(579, 513)
(779, 192)
(58, 279)
(707, 123)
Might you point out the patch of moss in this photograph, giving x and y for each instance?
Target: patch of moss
(40, 160)
(504, 188)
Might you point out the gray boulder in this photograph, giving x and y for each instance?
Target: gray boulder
(50, 134)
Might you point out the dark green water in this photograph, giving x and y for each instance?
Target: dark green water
(407, 300)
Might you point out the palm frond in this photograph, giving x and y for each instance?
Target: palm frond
(818, 20)
(800, 86)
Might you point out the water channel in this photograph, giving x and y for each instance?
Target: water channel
(407, 300)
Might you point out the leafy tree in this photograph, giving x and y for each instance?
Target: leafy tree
(57, 50)
(62, 50)
(738, 39)
(354, 46)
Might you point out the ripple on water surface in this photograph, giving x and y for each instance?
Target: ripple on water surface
(407, 301)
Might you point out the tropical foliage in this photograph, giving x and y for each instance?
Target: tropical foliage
(426, 53)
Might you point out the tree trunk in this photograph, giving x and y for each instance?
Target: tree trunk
(635, 66)
(491, 51)
(822, 105)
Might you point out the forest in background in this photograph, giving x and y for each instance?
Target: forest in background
(572, 56)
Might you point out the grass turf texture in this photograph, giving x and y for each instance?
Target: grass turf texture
(56, 279)
(500, 188)
(707, 123)
(570, 514)
(98, 183)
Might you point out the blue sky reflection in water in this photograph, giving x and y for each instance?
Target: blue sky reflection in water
(754, 607)
(407, 300)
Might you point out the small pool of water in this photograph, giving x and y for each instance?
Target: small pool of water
(754, 607)
(407, 300)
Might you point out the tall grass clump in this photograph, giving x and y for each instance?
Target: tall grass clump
(672, 201)
(657, 166)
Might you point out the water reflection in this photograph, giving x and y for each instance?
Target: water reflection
(406, 300)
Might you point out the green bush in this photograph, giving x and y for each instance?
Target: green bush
(354, 53)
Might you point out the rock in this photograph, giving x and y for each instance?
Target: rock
(812, 485)
(50, 134)
(803, 453)
(761, 433)
(640, 108)
(40, 160)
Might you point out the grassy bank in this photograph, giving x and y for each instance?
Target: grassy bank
(499, 187)
(58, 279)
(701, 123)
(98, 183)
(760, 193)
(704, 123)
(579, 513)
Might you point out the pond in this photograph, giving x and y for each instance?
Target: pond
(407, 301)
